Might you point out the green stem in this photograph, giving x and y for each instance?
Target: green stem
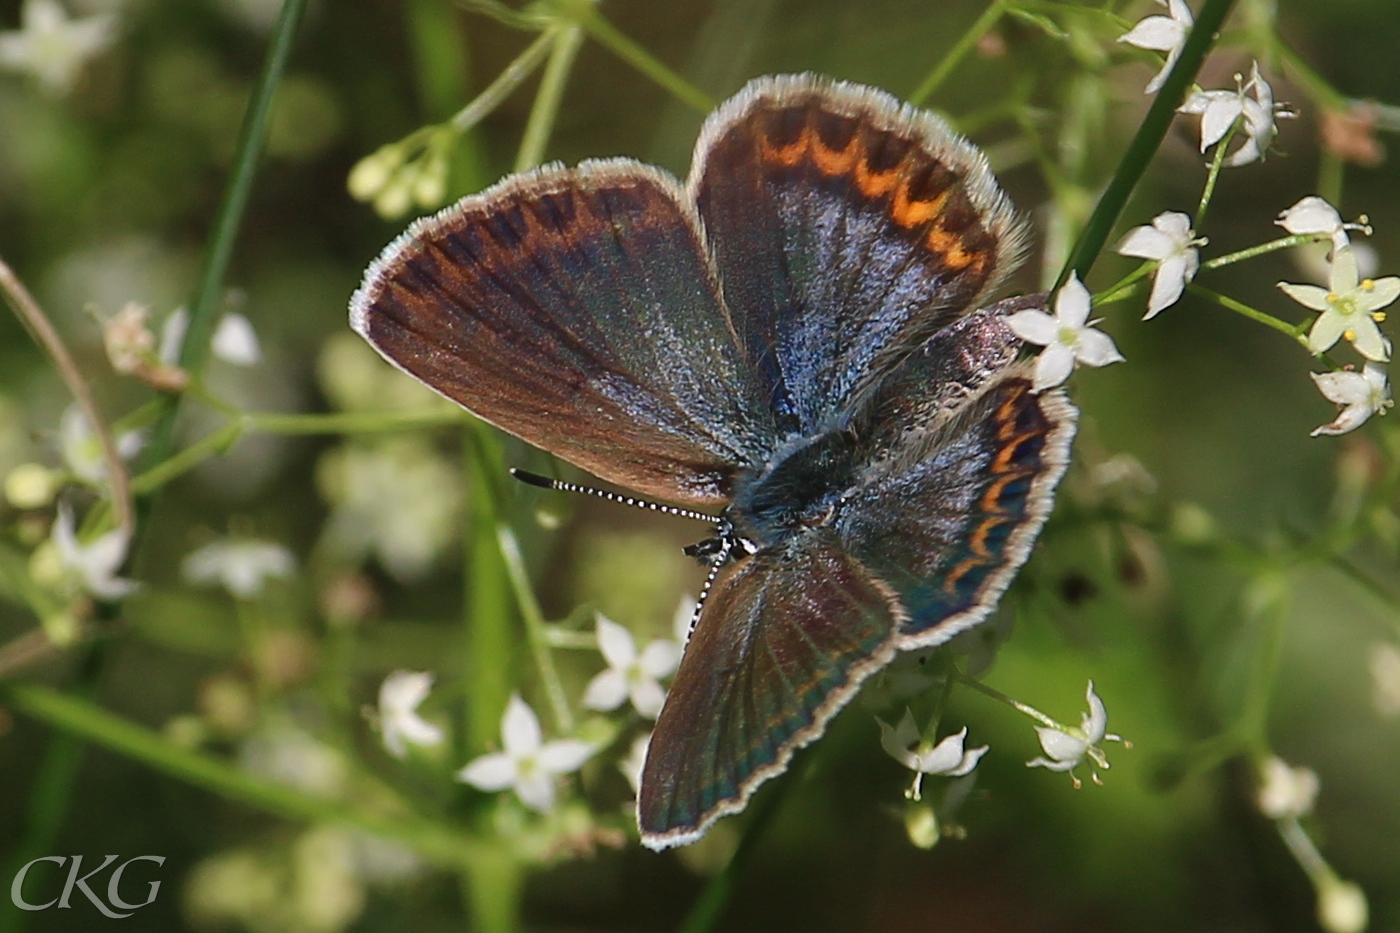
(1284, 242)
(1217, 162)
(536, 630)
(491, 889)
(188, 458)
(1017, 705)
(606, 34)
(969, 39)
(564, 45)
(86, 720)
(1146, 141)
(1268, 320)
(505, 83)
(487, 620)
(1125, 286)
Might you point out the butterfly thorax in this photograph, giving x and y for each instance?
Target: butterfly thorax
(801, 487)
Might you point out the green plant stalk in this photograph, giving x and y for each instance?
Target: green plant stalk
(1017, 705)
(566, 41)
(491, 888)
(82, 718)
(487, 620)
(1145, 142)
(1217, 162)
(536, 630)
(440, 68)
(608, 35)
(187, 459)
(1284, 242)
(504, 84)
(1268, 320)
(966, 43)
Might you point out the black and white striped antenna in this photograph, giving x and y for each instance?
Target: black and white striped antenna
(544, 482)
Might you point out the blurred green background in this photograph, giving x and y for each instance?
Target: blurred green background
(107, 195)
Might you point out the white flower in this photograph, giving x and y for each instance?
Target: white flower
(1341, 905)
(239, 566)
(1350, 308)
(234, 339)
(81, 449)
(905, 745)
(629, 674)
(1066, 337)
(527, 764)
(399, 722)
(1314, 215)
(394, 497)
(1360, 396)
(93, 565)
(631, 766)
(284, 753)
(1220, 109)
(1385, 678)
(1286, 792)
(1162, 34)
(50, 46)
(1068, 748)
(1171, 241)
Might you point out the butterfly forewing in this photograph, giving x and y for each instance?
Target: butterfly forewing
(577, 310)
(845, 227)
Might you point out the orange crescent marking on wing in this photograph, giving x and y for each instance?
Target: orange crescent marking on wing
(789, 155)
(908, 213)
(836, 161)
(979, 537)
(949, 248)
(961, 570)
(1002, 463)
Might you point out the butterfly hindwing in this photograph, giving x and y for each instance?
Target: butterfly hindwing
(946, 517)
(846, 227)
(577, 309)
(784, 639)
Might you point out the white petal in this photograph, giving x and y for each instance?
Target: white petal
(1382, 293)
(647, 697)
(64, 537)
(1072, 302)
(172, 334)
(1145, 242)
(1066, 765)
(520, 728)
(969, 761)
(1034, 326)
(1097, 348)
(616, 644)
(1344, 388)
(1168, 284)
(1313, 297)
(1310, 215)
(1348, 419)
(489, 772)
(606, 691)
(236, 342)
(1376, 378)
(945, 756)
(896, 740)
(1180, 12)
(404, 690)
(536, 791)
(564, 756)
(660, 658)
(1249, 152)
(1060, 745)
(1367, 338)
(1053, 366)
(1176, 226)
(1219, 115)
(1096, 722)
(1344, 276)
(1158, 33)
(1326, 331)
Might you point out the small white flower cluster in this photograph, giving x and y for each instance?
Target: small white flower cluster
(51, 47)
(527, 764)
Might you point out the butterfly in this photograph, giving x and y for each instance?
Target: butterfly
(799, 336)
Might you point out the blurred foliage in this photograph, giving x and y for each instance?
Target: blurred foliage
(1228, 583)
